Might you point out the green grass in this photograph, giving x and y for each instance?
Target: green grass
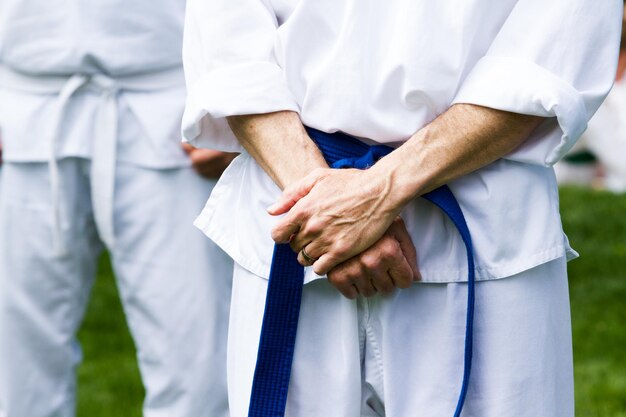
(109, 384)
(596, 225)
(108, 379)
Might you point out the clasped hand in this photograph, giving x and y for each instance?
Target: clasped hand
(348, 229)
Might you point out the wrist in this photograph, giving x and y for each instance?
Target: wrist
(418, 166)
(396, 189)
(297, 165)
(279, 144)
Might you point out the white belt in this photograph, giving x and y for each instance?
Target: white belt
(102, 176)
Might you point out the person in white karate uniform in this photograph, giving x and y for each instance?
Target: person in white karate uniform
(605, 138)
(91, 100)
(482, 95)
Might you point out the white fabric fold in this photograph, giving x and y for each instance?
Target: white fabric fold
(524, 87)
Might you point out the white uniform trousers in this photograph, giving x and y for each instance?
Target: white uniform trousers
(402, 355)
(174, 284)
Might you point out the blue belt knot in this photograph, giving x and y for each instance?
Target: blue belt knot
(364, 161)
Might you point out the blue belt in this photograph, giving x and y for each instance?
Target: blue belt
(284, 292)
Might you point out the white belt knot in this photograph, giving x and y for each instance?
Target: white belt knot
(107, 86)
(104, 143)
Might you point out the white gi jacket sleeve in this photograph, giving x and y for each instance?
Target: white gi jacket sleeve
(235, 73)
(545, 61)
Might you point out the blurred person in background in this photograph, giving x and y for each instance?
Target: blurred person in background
(91, 96)
(599, 157)
(0, 152)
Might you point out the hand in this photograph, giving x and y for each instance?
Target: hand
(336, 214)
(207, 162)
(621, 63)
(390, 263)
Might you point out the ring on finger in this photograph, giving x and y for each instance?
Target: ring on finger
(308, 258)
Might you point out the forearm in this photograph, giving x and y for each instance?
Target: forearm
(279, 144)
(461, 140)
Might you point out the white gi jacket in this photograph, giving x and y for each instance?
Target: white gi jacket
(384, 69)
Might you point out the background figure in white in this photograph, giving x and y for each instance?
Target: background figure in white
(0, 173)
(605, 139)
(91, 96)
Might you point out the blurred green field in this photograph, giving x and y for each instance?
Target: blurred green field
(109, 383)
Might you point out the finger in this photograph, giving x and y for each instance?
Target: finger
(364, 285)
(206, 170)
(309, 233)
(302, 239)
(315, 250)
(382, 281)
(327, 261)
(207, 157)
(401, 274)
(352, 272)
(287, 227)
(342, 279)
(292, 194)
(349, 292)
(399, 232)
(375, 265)
(209, 163)
(302, 260)
(188, 148)
(356, 290)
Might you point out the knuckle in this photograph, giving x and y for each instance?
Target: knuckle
(314, 226)
(352, 270)
(390, 249)
(370, 261)
(340, 249)
(276, 235)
